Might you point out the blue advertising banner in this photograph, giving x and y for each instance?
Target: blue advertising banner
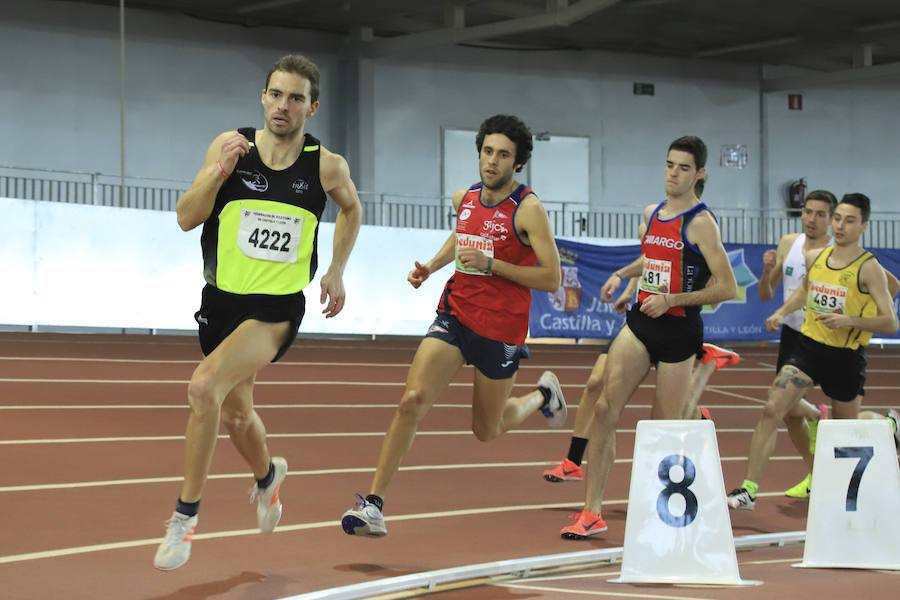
(575, 310)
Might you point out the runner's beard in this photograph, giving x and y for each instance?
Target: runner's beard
(500, 183)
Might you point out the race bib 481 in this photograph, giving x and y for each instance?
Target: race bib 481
(656, 277)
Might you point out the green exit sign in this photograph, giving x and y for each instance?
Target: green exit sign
(643, 89)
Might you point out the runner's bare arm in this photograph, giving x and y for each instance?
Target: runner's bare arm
(633, 269)
(420, 272)
(892, 283)
(703, 231)
(772, 270)
(795, 302)
(196, 204)
(447, 251)
(334, 174)
(532, 221)
(625, 298)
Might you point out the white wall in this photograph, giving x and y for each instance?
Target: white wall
(569, 93)
(187, 81)
(846, 139)
(98, 266)
(190, 79)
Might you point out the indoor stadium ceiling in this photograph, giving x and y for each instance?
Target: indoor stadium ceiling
(823, 35)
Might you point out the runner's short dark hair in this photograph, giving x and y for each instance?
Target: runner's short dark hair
(694, 146)
(513, 128)
(298, 65)
(822, 196)
(860, 201)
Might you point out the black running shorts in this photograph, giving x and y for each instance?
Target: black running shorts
(786, 345)
(840, 372)
(667, 339)
(221, 312)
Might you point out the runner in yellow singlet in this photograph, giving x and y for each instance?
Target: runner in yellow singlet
(847, 298)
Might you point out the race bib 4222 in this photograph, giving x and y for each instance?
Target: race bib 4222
(269, 236)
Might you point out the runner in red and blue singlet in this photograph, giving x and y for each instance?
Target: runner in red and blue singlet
(494, 307)
(682, 266)
(502, 247)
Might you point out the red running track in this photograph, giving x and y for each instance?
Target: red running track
(91, 439)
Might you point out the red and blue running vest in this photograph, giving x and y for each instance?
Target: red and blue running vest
(672, 265)
(491, 306)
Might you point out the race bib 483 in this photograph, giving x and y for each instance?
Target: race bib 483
(826, 298)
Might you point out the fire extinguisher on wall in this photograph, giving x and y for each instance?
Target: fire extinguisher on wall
(796, 193)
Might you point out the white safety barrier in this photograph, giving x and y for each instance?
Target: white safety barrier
(854, 506)
(518, 568)
(678, 529)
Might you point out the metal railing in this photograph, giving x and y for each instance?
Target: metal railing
(739, 226)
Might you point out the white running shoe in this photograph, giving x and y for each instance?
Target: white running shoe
(740, 499)
(268, 505)
(555, 409)
(175, 549)
(363, 519)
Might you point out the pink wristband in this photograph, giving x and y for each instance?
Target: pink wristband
(221, 170)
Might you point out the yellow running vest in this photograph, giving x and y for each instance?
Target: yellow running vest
(836, 291)
(262, 233)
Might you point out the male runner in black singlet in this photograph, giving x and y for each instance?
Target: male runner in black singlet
(259, 196)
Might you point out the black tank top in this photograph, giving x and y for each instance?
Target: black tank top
(261, 237)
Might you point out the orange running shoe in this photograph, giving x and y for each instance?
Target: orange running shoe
(564, 471)
(720, 356)
(584, 525)
(705, 415)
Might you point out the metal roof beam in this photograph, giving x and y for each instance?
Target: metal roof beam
(266, 5)
(835, 78)
(558, 14)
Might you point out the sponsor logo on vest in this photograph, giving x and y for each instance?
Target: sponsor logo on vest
(468, 204)
(499, 214)
(827, 288)
(474, 241)
(658, 240)
(495, 227)
(465, 214)
(254, 180)
(299, 186)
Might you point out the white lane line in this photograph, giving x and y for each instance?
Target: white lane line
(319, 406)
(191, 341)
(317, 434)
(558, 590)
(185, 406)
(355, 383)
(149, 361)
(141, 361)
(315, 472)
(14, 558)
(713, 388)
